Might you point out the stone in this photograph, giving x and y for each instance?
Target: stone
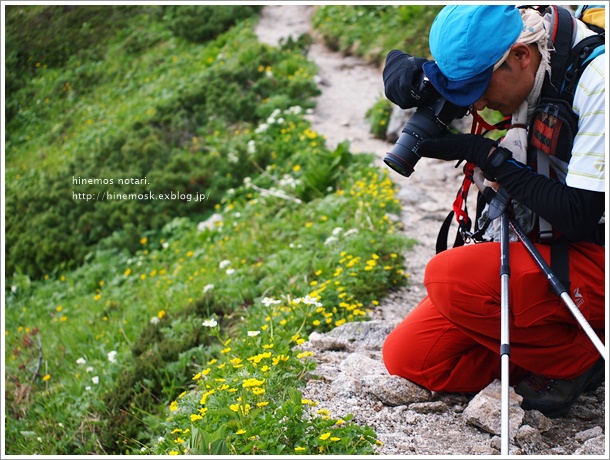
(484, 411)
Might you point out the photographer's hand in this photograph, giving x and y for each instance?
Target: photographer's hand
(402, 78)
(473, 148)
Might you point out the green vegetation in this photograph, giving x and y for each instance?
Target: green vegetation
(172, 326)
(371, 31)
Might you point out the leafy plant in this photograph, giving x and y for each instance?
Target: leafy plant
(379, 117)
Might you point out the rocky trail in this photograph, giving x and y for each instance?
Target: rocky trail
(350, 377)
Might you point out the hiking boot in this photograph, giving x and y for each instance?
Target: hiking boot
(554, 397)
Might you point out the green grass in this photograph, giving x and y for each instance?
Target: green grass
(157, 335)
(371, 31)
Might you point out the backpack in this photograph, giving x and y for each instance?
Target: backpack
(554, 123)
(594, 16)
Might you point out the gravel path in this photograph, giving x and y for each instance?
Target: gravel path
(351, 377)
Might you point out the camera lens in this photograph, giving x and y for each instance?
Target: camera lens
(402, 158)
(428, 122)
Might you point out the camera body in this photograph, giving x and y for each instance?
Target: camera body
(434, 113)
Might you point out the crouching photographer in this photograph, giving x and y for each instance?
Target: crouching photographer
(547, 72)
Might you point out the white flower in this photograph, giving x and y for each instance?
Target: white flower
(295, 109)
(253, 333)
(262, 128)
(224, 264)
(230, 271)
(232, 157)
(112, 356)
(351, 231)
(269, 301)
(208, 287)
(330, 239)
(210, 323)
(160, 439)
(81, 361)
(88, 388)
(337, 230)
(95, 380)
(154, 320)
(165, 245)
(251, 146)
(288, 181)
(89, 369)
(311, 301)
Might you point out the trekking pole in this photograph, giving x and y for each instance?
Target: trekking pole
(504, 334)
(559, 289)
(498, 207)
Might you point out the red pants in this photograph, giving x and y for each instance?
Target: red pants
(451, 340)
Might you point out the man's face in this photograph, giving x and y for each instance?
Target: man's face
(511, 83)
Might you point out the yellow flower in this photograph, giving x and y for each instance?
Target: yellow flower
(195, 417)
(46, 377)
(325, 436)
(335, 439)
(173, 452)
(252, 382)
(173, 406)
(305, 354)
(240, 431)
(276, 361)
(299, 449)
(144, 240)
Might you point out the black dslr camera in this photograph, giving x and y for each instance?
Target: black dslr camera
(406, 86)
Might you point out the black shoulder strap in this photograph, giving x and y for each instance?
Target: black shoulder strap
(578, 61)
(567, 63)
(562, 21)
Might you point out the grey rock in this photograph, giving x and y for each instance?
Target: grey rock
(484, 410)
(393, 390)
(429, 407)
(529, 439)
(593, 446)
(589, 434)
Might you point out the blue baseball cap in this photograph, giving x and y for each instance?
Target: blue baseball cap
(466, 41)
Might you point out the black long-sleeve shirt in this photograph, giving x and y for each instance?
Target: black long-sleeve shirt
(574, 212)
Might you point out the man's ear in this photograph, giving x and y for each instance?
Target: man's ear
(522, 54)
